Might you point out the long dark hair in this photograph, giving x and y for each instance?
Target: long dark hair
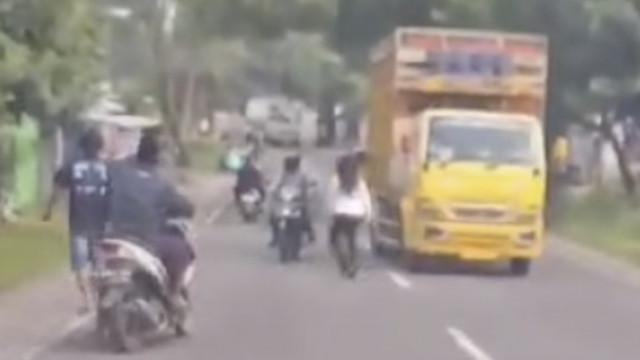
(348, 175)
(149, 149)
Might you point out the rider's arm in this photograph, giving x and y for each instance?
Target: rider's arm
(62, 181)
(332, 192)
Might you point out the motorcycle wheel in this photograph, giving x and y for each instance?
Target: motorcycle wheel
(250, 216)
(283, 244)
(120, 331)
(295, 237)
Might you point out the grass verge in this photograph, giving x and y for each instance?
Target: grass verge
(204, 155)
(603, 220)
(29, 250)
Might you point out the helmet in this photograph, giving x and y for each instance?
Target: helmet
(292, 163)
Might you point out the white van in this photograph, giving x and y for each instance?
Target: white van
(283, 130)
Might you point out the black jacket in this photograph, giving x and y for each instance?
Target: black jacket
(142, 201)
(249, 177)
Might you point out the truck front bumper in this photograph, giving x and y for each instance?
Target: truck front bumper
(476, 242)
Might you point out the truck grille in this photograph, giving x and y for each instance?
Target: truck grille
(480, 214)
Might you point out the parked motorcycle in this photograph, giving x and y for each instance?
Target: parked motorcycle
(250, 205)
(132, 287)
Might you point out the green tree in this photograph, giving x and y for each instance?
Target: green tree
(53, 45)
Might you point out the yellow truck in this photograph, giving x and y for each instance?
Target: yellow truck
(456, 148)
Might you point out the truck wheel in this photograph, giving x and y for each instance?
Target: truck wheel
(520, 266)
(410, 261)
(377, 248)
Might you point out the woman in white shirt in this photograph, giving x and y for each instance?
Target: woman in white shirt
(350, 205)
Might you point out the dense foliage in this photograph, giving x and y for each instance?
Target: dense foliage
(49, 50)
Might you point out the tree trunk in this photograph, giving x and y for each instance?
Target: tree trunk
(626, 175)
(182, 155)
(161, 48)
(187, 101)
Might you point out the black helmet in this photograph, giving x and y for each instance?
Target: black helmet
(91, 143)
(292, 163)
(149, 149)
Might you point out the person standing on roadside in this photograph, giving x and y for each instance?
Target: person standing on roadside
(88, 184)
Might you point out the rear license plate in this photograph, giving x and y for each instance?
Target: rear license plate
(479, 255)
(113, 277)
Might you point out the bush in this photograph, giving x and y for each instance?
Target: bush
(203, 154)
(603, 220)
(29, 250)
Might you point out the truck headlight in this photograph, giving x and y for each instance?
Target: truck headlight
(527, 218)
(430, 212)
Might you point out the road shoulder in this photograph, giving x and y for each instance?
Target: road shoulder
(594, 260)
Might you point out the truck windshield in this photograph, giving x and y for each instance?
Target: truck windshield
(456, 139)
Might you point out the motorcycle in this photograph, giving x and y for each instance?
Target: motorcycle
(289, 223)
(133, 300)
(250, 205)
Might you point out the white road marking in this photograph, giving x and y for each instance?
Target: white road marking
(467, 345)
(400, 280)
(217, 212)
(71, 327)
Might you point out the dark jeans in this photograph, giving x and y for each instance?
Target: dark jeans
(176, 254)
(343, 225)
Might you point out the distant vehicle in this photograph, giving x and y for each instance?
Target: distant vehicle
(283, 130)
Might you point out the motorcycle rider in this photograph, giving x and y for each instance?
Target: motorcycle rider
(142, 202)
(349, 200)
(253, 141)
(88, 183)
(293, 176)
(249, 177)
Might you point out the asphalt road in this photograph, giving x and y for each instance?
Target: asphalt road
(249, 307)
